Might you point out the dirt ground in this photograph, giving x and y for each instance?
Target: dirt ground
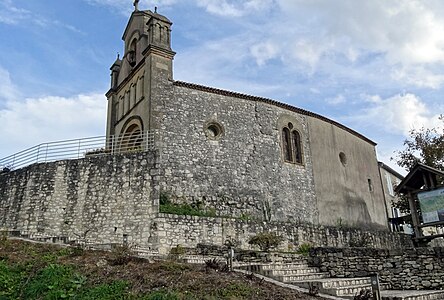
(144, 276)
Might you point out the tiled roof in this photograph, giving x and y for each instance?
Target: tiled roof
(269, 101)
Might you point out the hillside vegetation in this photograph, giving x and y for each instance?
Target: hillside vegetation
(44, 271)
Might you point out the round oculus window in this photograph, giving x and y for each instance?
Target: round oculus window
(214, 130)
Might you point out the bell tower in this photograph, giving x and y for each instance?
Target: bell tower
(145, 67)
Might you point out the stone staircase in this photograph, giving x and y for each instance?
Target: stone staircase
(298, 273)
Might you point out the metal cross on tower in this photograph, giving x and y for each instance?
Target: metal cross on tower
(136, 5)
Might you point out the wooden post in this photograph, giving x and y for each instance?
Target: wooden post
(415, 217)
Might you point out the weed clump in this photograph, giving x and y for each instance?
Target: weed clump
(266, 240)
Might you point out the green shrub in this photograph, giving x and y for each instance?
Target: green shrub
(164, 199)
(163, 295)
(186, 209)
(304, 249)
(178, 250)
(113, 291)
(54, 282)
(10, 278)
(266, 240)
(236, 291)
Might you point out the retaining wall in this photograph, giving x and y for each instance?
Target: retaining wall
(420, 268)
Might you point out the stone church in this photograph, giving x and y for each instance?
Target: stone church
(239, 154)
(258, 165)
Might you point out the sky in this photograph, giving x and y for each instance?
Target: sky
(376, 66)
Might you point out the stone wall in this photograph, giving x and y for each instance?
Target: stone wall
(420, 268)
(189, 231)
(114, 199)
(240, 173)
(106, 199)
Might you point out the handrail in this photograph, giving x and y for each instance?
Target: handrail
(78, 148)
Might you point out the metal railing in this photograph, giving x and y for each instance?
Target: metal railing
(79, 148)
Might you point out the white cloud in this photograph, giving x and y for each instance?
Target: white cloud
(419, 76)
(398, 114)
(126, 7)
(264, 51)
(406, 34)
(32, 121)
(27, 121)
(10, 14)
(8, 91)
(339, 99)
(231, 8)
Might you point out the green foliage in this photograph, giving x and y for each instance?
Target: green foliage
(193, 209)
(177, 252)
(425, 146)
(266, 240)
(54, 282)
(304, 249)
(114, 291)
(236, 291)
(164, 199)
(10, 278)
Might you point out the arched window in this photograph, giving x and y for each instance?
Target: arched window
(296, 146)
(132, 139)
(286, 144)
(291, 144)
(132, 52)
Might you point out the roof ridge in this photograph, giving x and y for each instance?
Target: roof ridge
(273, 102)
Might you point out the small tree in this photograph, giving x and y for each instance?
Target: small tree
(266, 240)
(426, 146)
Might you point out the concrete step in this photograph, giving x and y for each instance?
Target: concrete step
(302, 277)
(341, 287)
(288, 266)
(347, 291)
(330, 283)
(298, 271)
(412, 295)
(200, 260)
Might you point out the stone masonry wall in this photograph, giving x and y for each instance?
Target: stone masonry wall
(189, 231)
(241, 173)
(105, 199)
(420, 268)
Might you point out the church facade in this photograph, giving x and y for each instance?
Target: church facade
(238, 155)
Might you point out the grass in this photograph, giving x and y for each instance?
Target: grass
(46, 272)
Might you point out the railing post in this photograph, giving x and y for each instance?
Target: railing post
(78, 150)
(46, 152)
(38, 152)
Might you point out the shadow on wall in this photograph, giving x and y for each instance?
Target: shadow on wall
(356, 209)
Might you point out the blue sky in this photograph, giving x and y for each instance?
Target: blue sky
(376, 66)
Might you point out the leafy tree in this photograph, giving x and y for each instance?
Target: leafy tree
(426, 146)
